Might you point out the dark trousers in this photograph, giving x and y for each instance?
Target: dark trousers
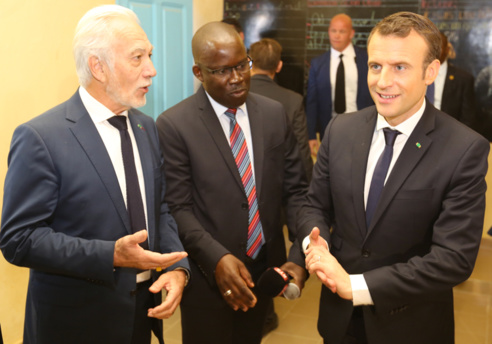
(356, 333)
(142, 330)
(222, 324)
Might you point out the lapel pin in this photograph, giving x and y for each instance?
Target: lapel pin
(451, 77)
(141, 126)
(418, 145)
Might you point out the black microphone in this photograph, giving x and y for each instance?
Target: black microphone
(274, 282)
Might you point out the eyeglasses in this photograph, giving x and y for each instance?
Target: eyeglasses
(242, 67)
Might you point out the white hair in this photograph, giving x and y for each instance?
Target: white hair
(94, 35)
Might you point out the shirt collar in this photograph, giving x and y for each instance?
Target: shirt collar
(97, 111)
(349, 51)
(406, 127)
(221, 109)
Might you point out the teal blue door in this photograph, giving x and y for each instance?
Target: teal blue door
(169, 25)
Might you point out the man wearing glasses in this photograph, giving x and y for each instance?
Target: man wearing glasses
(231, 163)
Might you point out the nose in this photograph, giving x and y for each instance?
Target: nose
(236, 76)
(385, 78)
(150, 71)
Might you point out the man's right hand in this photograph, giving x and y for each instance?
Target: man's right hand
(235, 283)
(128, 253)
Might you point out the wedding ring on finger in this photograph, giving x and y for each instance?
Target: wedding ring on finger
(228, 292)
(319, 258)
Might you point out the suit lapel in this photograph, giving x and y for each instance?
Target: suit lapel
(256, 125)
(85, 132)
(365, 131)
(417, 145)
(211, 122)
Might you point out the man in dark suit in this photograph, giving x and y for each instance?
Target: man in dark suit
(454, 91)
(395, 252)
(66, 197)
(266, 64)
(320, 102)
(227, 202)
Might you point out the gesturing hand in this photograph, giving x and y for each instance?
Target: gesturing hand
(235, 283)
(128, 253)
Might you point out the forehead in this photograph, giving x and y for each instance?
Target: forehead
(220, 54)
(339, 24)
(130, 36)
(393, 49)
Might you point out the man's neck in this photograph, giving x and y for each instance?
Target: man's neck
(271, 75)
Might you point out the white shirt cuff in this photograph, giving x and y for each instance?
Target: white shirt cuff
(360, 292)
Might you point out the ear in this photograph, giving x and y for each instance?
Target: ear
(279, 66)
(432, 71)
(352, 34)
(197, 72)
(97, 68)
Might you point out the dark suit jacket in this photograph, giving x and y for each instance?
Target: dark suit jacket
(319, 104)
(425, 233)
(458, 97)
(205, 192)
(62, 213)
(294, 106)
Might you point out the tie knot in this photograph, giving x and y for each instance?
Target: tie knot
(119, 122)
(390, 136)
(341, 55)
(231, 113)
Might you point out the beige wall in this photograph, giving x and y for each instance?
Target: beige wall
(38, 72)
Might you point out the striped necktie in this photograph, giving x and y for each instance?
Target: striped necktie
(241, 156)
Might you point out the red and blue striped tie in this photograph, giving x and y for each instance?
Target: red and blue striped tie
(241, 155)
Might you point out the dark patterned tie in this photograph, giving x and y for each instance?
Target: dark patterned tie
(340, 106)
(133, 195)
(241, 155)
(380, 173)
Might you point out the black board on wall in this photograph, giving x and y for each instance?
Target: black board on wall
(301, 28)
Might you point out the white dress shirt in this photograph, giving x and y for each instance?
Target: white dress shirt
(351, 77)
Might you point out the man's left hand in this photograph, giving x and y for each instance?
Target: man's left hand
(298, 273)
(173, 282)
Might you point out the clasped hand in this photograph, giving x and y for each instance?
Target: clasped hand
(321, 262)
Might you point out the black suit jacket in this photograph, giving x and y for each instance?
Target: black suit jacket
(63, 210)
(293, 105)
(458, 97)
(205, 192)
(425, 233)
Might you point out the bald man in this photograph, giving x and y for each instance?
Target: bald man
(218, 218)
(320, 103)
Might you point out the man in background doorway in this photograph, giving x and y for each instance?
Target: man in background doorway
(266, 55)
(337, 80)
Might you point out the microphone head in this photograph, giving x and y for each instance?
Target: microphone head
(272, 282)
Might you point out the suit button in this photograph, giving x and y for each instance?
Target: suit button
(366, 253)
(245, 206)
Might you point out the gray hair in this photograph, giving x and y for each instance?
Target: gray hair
(94, 37)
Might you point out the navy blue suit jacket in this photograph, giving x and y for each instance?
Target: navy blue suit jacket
(63, 210)
(424, 236)
(319, 104)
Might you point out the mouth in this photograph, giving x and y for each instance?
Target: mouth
(238, 92)
(387, 98)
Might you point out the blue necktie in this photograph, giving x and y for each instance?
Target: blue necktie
(380, 172)
(430, 92)
(241, 156)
